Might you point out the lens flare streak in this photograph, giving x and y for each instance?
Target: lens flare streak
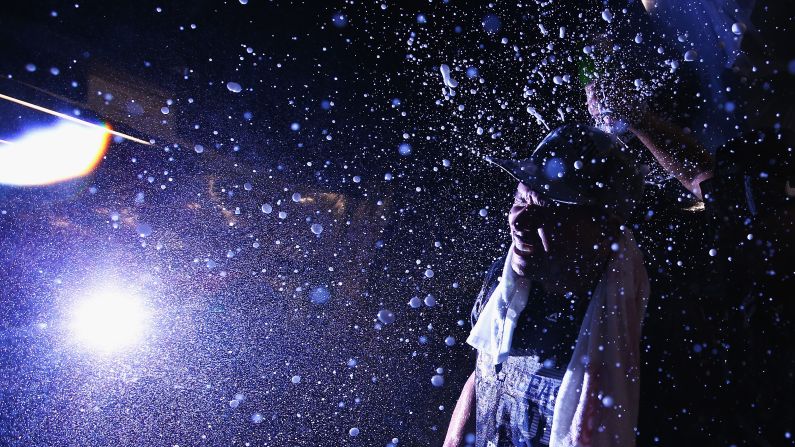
(72, 119)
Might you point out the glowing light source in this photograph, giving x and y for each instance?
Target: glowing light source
(52, 154)
(71, 118)
(109, 320)
(649, 5)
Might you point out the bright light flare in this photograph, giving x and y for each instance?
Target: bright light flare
(109, 321)
(71, 119)
(649, 5)
(52, 154)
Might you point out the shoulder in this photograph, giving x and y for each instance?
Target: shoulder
(496, 267)
(492, 275)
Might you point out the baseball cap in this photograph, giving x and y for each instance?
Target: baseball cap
(581, 165)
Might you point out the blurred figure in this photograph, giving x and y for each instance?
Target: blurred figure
(751, 202)
(748, 196)
(675, 150)
(557, 323)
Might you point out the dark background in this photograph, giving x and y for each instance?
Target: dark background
(232, 318)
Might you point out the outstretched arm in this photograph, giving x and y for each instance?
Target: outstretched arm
(464, 410)
(678, 153)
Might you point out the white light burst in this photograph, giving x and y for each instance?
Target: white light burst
(109, 320)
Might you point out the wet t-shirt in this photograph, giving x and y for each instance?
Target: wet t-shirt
(547, 327)
(516, 399)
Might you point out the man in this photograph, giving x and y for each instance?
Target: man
(751, 202)
(557, 329)
(748, 195)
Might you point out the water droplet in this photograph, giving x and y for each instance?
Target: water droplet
(319, 295)
(340, 20)
(386, 316)
(143, 230)
(234, 87)
(491, 23)
(738, 28)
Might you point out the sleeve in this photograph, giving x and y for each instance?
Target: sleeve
(598, 402)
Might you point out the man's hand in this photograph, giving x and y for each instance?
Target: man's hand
(530, 253)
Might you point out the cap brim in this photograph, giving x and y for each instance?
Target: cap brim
(530, 173)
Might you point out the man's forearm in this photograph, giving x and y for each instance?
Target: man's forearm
(678, 153)
(461, 414)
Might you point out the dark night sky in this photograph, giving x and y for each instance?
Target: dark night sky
(237, 351)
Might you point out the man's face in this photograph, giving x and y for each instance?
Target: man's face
(557, 244)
